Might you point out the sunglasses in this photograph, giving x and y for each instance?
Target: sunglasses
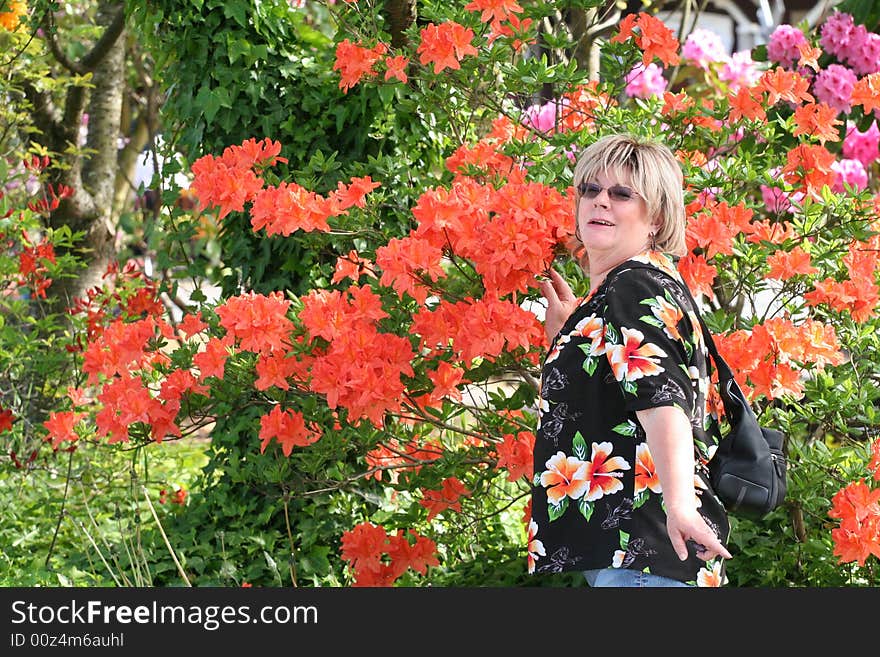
(615, 192)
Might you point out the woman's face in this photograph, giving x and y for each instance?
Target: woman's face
(614, 224)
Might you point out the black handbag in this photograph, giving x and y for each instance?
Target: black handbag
(748, 470)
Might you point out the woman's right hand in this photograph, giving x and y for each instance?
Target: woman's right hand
(561, 302)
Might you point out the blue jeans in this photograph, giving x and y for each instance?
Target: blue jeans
(628, 578)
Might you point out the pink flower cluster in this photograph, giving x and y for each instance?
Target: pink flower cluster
(862, 146)
(543, 117)
(851, 44)
(851, 172)
(833, 86)
(704, 47)
(783, 45)
(740, 70)
(645, 81)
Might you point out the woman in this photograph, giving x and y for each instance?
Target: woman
(621, 490)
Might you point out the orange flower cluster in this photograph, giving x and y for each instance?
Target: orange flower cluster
(764, 359)
(496, 13)
(61, 427)
(478, 328)
(288, 428)
(289, 207)
(780, 84)
(126, 294)
(437, 501)
(354, 62)
(866, 92)
(788, 264)
(10, 19)
(817, 120)
(859, 294)
(520, 222)
(653, 38)
(229, 181)
(715, 226)
(857, 506)
(361, 368)
(32, 267)
(515, 453)
(256, 322)
(378, 558)
(809, 167)
(445, 45)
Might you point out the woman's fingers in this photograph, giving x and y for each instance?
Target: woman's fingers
(561, 287)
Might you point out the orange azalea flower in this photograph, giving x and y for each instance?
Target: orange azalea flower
(810, 167)
(816, 120)
(395, 67)
(858, 508)
(866, 92)
(566, 476)
(711, 577)
(445, 45)
(288, 428)
(494, 10)
(634, 358)
(654, 38)
(645, 472)
(603, 472)
(698, 275)
(744, 105)
(535, 547)
(809, 56)
(352, 266)
(675, 103)
(780, 84)
(14, 15)
(437, 501)
(515, 454)
(61, 427)
(354, 62)
(788, 264)
(773, 232)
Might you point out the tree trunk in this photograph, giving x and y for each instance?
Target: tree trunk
(93, 174)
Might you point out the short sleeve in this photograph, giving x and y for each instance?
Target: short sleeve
(649, 341)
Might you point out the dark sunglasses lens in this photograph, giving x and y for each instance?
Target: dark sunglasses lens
(620, 193)
(590, 190)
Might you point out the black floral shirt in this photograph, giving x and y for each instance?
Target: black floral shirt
(634, 343)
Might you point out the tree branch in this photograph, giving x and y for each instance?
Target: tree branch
(97, 54)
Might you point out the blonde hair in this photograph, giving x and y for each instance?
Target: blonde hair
(652, 171)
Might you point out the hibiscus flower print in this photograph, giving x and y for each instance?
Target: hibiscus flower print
(645, 473)
(604, 472)
(536, 547)
(566, 476)
(668, 314)
(710, 576)
(592, 328)
(634, 358)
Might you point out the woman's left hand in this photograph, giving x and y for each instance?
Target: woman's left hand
(688, 525)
